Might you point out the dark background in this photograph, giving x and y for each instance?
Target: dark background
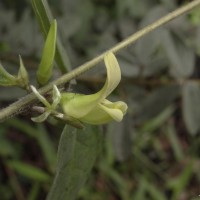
(155, 152)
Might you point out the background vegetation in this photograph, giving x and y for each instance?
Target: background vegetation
(155, 152)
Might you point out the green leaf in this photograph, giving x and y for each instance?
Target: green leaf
(161, 97)
(47, 146)
(156, 122)
(6, 147)
(29, 171)
(117, 179)
(154, 192)
(180, 56)
(191, 108)
(23, 76)
(34, 191)
(195, 16)
(171, 133)
(6, 79)
(22, 79)
(77, 153)
(179, 184)
(44, 72)
(44, 17)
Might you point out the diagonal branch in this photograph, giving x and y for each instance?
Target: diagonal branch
(22, 104)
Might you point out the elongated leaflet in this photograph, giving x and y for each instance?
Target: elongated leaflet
(44, 72)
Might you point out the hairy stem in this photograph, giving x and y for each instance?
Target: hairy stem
(21, 104)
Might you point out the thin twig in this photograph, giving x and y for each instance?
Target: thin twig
(15, 108)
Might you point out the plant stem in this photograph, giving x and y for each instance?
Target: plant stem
(21, 105)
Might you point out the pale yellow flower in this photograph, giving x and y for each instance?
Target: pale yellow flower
(95, 108)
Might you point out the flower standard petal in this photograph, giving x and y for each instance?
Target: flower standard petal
(113, 74)
(78, 105)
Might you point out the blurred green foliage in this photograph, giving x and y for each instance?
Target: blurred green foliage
(154, 152)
